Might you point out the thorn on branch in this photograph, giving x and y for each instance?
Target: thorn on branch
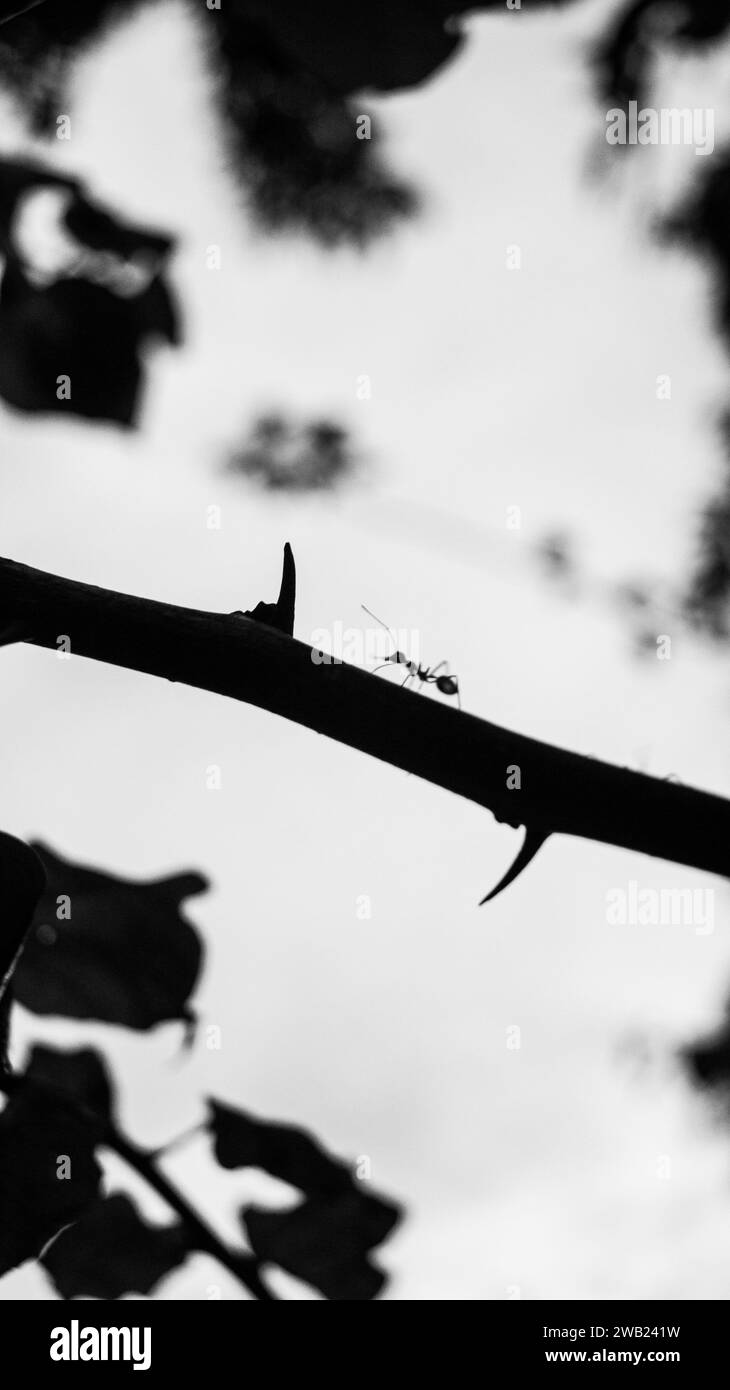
(281, 613)
(533, 841)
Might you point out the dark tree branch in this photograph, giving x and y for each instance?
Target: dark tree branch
(561, 792)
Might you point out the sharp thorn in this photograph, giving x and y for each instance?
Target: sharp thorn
(533, 841)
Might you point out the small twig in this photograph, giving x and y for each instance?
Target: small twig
(178, 1142)
(243, 1267)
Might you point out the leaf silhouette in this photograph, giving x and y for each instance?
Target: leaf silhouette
(17, 178)
(284, 1151)
(81, 1075)
(324, 1240)
(288, 455)
(124, 955)
(708, 1059)
(627, 53)
(88, 316)
(48, 1172)
(22, 881)
(391, 44)
(112, 1250)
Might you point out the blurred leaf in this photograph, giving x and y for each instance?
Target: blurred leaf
(282, 455)
(325, 1241)
(82, 1076)
(701, 223)
(125, 955)
(296, 153)
(22, 881)
(38, 51)
(48, 1172)
(284, 1151)
(628, 50)
(112, 1251)
(707, 598)
(93, 334)
(286, 76)
(708, 1061)
(386, 45)
(72, 330)
(19, 177)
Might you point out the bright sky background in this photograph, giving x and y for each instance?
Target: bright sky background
(536, 1169)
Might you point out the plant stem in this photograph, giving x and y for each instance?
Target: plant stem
(560, 792)
(243, 1267)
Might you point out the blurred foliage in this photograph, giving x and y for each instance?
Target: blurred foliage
(82, 1076)
(79, 302)
(636, 32)
(292, 131)
(38, 1131)
(39, 49)
(112, 1251)
(326, 1239)
(110, 949)
(120, 952)
(707, 595)
(22, 881)
(707, 1062)
(701, 223)
(284, 456)
(286, 75)
(294, 141)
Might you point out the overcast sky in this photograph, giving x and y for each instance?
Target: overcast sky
(533, 1169)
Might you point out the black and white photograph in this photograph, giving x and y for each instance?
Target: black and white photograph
(364, 666)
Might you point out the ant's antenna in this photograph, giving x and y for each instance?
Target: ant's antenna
(389, 630)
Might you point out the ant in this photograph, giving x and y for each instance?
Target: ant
(425, 675)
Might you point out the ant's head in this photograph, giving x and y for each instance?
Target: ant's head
(399, 658)
(448, 685)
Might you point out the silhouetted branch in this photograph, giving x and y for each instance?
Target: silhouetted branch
(560, 792)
